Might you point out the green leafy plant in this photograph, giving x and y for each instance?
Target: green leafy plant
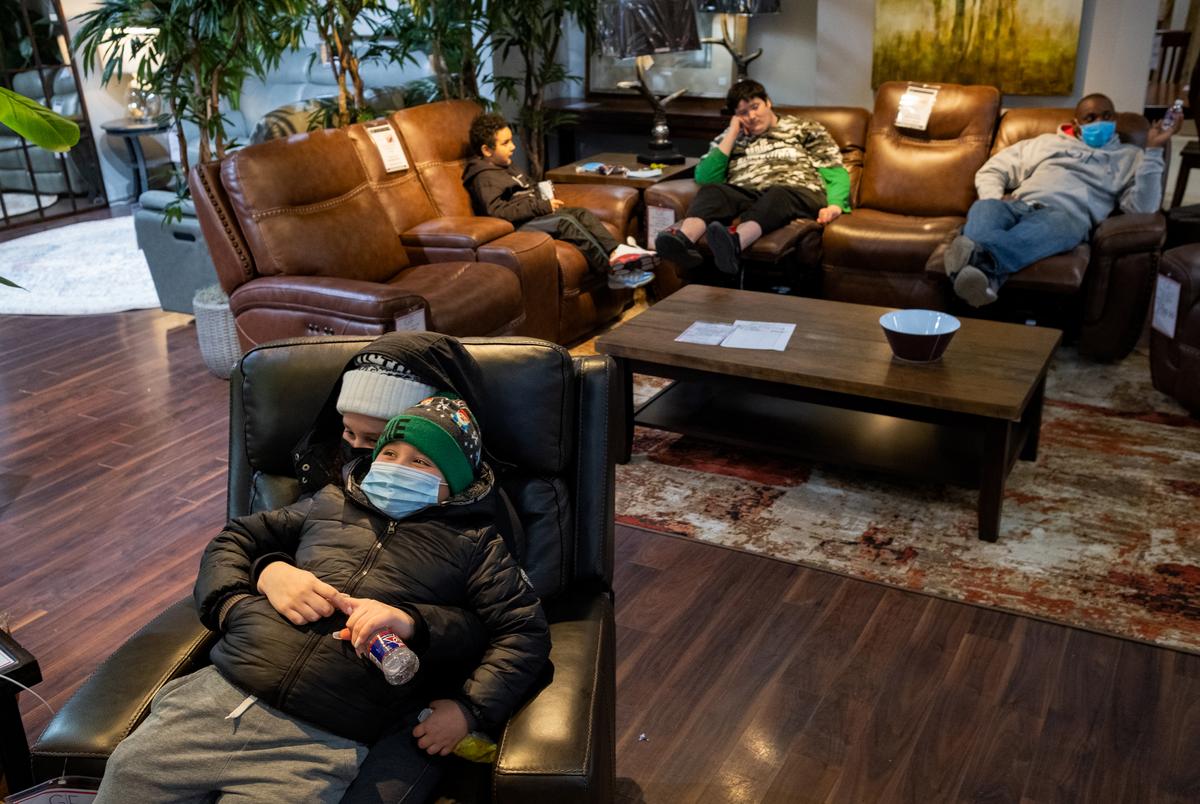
(194, 54)
(532, 30)
(36, 123)
(39, 125)
(336, 22)
(455, 34)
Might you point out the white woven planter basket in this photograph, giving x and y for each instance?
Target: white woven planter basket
(216, 331)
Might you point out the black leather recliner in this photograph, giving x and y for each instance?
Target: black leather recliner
(549, 415)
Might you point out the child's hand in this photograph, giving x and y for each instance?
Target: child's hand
(369, 617)
(556, 204)
(295, 593)
(442, 730)
(829, 214)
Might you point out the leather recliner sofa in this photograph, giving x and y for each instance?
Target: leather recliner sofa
(1102, 287)
(553, 424)
(305, 237)
(436, 138)
(799, 242)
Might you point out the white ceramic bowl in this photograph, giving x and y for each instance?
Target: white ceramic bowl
(920, 336)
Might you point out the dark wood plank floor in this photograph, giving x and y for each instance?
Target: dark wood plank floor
(750, 679)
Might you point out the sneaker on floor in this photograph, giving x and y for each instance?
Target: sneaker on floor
(974, 287)
(958, 254)
(629, 279)
(633, 257)
(672, 244)
(726, 247)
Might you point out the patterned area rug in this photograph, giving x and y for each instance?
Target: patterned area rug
(82, 269)
(1102, 532)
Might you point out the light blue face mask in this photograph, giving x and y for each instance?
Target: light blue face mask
(1099, 133)
(400, 490)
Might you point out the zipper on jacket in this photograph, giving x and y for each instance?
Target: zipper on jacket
(285, 686)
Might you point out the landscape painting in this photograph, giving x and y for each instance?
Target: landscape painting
(1024, 47)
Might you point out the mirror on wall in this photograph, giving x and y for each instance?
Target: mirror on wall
(35, 61)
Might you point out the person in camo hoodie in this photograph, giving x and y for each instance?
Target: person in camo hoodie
(766, 170)
(1042, 196)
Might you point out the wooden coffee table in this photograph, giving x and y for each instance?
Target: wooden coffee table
(566, 173)
(837, 395)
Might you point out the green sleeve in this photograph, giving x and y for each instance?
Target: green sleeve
(711, 169)
(837, 185)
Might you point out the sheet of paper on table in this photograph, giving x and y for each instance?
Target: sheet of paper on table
(759, 335)
(739, 335)
(705, 333)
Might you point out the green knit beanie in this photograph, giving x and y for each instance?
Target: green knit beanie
(443, 428)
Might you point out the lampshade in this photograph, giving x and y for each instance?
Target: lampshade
(747, 7)
(648, 27)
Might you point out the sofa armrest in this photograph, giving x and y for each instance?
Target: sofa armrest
(533, 258)
(675, 195)
(1119, 284)
(561, 746)
(116, 697)
(1129, 234)
(610, 203)
(329, 294)
(465, 232)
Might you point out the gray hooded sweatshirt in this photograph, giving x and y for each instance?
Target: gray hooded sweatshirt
(1063, 172)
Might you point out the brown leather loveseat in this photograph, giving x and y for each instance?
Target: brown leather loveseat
(314, 235)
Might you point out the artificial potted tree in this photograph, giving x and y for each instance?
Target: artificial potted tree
(194, 56)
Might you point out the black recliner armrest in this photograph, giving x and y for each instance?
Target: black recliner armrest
(561, 746)
(116, 698)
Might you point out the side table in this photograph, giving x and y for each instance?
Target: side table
(132, 131)
(17, 664)
(566, 175)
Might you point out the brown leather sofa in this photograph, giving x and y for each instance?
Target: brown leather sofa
(916, 188)
(797, 245)
(556, 427)
(436, 139)
(303, 241)
(311, 235)
(1100, 289)
(1175, 358)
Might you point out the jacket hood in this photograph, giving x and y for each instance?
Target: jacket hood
(437, 360)
(478, 164)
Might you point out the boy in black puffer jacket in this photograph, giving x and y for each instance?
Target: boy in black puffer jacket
(287, 709)
(499, 190)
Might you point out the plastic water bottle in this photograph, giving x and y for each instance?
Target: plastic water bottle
(397, 660)
(1173, 114)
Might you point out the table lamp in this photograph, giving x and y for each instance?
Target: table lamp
(735, 16)
(645, 28)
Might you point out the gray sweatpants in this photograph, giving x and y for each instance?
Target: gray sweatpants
(187, 750)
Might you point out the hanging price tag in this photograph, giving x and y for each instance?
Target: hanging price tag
(388, 145)
(1166, 305)
(916, 104)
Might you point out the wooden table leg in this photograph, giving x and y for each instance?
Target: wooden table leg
(997, 435)
(1032, 419)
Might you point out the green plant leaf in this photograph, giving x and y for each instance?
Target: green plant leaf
(10, 283)
(36, 123)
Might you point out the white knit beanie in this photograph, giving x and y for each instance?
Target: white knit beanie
(380, 387)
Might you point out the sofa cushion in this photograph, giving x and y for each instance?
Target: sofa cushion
(929, 172)
(436, 137)
(870, 239)
(306, 208)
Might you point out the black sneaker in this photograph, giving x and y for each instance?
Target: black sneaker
(726, 248)
(672, 244)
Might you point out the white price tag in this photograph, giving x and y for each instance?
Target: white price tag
(916, 104)
(388, 145)
(657, 219)
(1166, 305)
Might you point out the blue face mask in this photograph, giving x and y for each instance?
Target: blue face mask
(1099, 133)
(400, 490)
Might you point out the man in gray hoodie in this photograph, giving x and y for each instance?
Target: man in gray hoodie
(1058, 187)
